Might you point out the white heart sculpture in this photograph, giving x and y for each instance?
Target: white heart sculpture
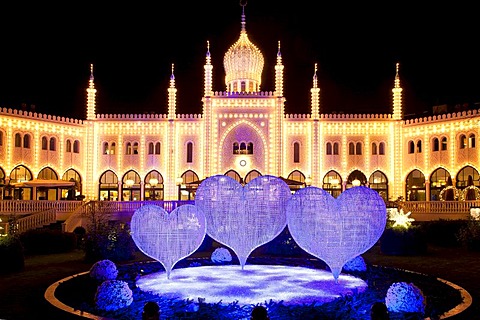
(168, 237)
(243, 218)
(336, 230)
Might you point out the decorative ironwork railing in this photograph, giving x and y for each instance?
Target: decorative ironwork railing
(31, 206)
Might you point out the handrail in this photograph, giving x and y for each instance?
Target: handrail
(35, 220)
(30, 206)
(79, 216)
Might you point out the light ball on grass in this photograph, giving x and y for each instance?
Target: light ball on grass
(103, 270)
(112, 295)
(405, 297)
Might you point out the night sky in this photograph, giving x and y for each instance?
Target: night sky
(46, 51)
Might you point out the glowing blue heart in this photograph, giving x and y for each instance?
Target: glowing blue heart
(168, 237)
(336, 230)
(243, 218)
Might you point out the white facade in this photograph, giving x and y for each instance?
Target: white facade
(243, 132)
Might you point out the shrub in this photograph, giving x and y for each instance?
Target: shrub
(403, 241)
(405, 297)
(469, 235)
(221, 255)
(111, 241)
(47, 241)
(443, 232)
(11, 251)
(112, 295)
(356, 264)
(104, 270)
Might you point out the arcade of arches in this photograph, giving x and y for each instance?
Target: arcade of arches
(132, 187)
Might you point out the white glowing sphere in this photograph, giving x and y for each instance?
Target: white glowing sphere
(243, 218)
(336, 230)
(168, 237)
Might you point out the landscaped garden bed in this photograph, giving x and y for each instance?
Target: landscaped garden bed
(79, 293)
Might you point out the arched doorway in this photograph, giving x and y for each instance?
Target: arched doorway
(76, 191)
(355, 179)
(2, 182)
(462, 177)
(131, 188)
(188, 185)
(153, 186)
(378, 181)
(108, 187)
(234, 175)
(252, 175)
(45, 192)
(415, 186)
(18, 175)
(332, 183)
(438, 181)
(295, 181)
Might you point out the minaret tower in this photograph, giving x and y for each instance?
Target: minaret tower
(208, 73)
(171, 137)
(315, 153)
(172, 101)
(91, 91)
(279, 74)
(315, 96)
(397, 97)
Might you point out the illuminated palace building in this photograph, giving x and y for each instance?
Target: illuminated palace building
(242, 132)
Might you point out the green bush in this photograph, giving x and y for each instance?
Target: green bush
(469, 235)
(443, 232)
(403, 241)
(111, 241)
(11, 251)
(47, 241)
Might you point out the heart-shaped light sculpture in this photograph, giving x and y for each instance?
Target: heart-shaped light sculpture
(168, 237)
(243, 218)
(336, 230)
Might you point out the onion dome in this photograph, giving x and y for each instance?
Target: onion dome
(243, 64)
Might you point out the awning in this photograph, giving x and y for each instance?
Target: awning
(44, 183)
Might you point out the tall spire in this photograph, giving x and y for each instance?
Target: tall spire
(208, 74)
(397, 95)
(243, 4)
(91, 91)
(315, 91)
(279, 74)
(172, 91)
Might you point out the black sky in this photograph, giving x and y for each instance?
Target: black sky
(46, 51)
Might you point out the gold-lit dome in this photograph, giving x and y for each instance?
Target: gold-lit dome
(243, 64)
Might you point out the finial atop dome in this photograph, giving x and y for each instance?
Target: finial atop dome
(243, 3)
(243, 63)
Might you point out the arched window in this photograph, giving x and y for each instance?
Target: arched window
(18, 140)
(76, 146)
(335, 148)
(435, 144)
(128, 149)
(153, 186)
(131, 186)
(358, 148)
(250, 148)
(438, 181)
(351, 148)
(419, 146)
(236, 148)
(234, 175)
(105, 148)
(72, 175)
(151, 148)
(463, 141)
(26, 141)
(1, 138)
(471, 141)
(415, 186)
(68, 146)
(112, 148)
(411, 147)
(108, 188)
(378, 182)
(135, 148)
(374, 148)
(328, 148)
(189, 152)
(243, 148)
(252, 175)
(53, 144)
(157, 148)
(296, 152)
(443, 145)
(44, 143)
(381, 148)
(47, 174)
